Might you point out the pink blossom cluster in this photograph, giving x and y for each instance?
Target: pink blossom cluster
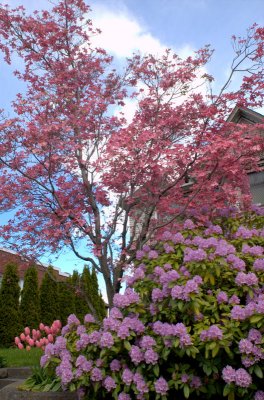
(212, 333)
(255, 306)
(183, 292)
(251, 348)
(126, 299)
(249, 279)
(246, 233)
(240, 376)
(38, 337)
(192, 380)
(236, 262)
(259, 264)
(191, 255)
(252, 250)
(259, 395)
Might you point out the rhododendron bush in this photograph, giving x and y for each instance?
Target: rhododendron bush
(190, 323)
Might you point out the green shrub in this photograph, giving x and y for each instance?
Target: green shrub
(66, 300)
(10, 323)
(91, 292)
(81, 307)
(30, 303)
(49, 306)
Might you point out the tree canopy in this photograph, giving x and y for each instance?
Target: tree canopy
(75, 170)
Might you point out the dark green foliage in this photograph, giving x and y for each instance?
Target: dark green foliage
(3, 362)
(49, 307)
(10, 323)
(30, 304)
(81, 307)
(66, 300)
(96, 296)
(86, 291)
(41, 381)
(91, 292)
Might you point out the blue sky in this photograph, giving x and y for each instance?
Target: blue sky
(151, 26)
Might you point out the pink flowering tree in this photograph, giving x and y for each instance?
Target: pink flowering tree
(189, 325)
(76, 171)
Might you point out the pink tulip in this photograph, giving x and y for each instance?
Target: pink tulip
(20, 346)
(38, 334)
(42, 342)
(47, 329)
(50, 338)
(31, 342)
(17, 340)
(28, 348)
(57, 324)
(28, 338)
(22, 337)
(27, 331)
(38, 344)
(41, 326)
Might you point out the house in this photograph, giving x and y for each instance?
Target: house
(7, 256)
(256, 178)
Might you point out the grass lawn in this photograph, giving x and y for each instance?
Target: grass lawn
(21, 358)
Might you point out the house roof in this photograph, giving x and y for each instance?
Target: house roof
(245, 116)
(18, 257)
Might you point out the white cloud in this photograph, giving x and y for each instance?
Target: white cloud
(122, 34)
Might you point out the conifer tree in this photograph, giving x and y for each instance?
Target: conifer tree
(81, 307)
(66, 300)
(91, 292)
(99, 303)
(10, 323)
(30, 303)
(49, 307)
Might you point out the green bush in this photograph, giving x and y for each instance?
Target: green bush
(10, 322)
(66, 300)
(49, 305)
(81, 307)
(30, 303)
(91, 291)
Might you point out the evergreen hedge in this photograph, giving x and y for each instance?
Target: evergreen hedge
(66, 300)
(10, 323)
(30, 302)
(49, 306)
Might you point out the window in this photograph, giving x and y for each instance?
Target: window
(256, 180)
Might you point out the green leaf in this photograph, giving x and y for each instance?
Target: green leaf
(258, 371)
(231, 396)
(156, 370)
(72, 387)
(186, 391)
(56, 387)
(47, 387)
(207, 369)
(215, 351)
(226, 390)
(127, 345)
(256, 318)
